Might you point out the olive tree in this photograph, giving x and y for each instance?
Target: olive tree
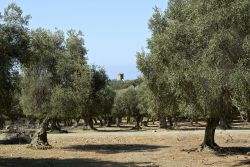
(197, 49)
(14, 49)
(56, 83)
(129, 102)
(96, 99)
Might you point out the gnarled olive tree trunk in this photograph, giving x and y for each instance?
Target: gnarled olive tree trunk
(163, 122)
(54, 125)
(100, 119)
(244, 113)
(209, 141)
(89, 123)
(118, 121)
(109, 121)
(40, 140)
(128, 120)
(225, 123)
(170, 121)
(138, 119)
(248, 116)
(144, 123)
(1, 123)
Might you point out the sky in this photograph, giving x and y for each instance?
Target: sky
(114, 30)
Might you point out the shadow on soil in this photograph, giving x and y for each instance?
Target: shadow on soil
(243, 162)
(224, 151)
(240, 128)
(115, 148)
(24, 162)
(188, 129)
(120, 130)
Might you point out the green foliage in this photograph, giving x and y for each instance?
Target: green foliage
(120, 105)
(39, 76)
(14, 49)
(97, 99)
(74, 78)
(199, 57)
(63, 103)
(75, 43)
(106, 100)
(57, 81)
(131, 102)
(117, 85)
(146, 101)
(13, 15)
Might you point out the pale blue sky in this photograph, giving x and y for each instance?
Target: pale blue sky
(114, 30)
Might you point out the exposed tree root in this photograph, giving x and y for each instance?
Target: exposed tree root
(213, 146)
(203, 147)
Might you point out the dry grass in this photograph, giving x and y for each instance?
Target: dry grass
(124, 148)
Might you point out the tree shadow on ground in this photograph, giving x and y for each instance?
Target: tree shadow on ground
(122, 126)
(188, 129)
(115, 148)
(239, 128)
(119, 130)
(243, 163)
(225, 151)
(24, 162)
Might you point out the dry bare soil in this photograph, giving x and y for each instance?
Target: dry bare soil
(123, 147)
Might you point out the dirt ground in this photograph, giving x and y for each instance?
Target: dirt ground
(123, 147)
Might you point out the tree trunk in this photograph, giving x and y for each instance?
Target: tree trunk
(30, 123)
(58, 123)
(225, 124)
(137, 126)
(89, 123)
(1, 123)
(163, 122)
(196, 120)
(175, 121)
(153, 121)
(141, 120)
(109, 121)
(54, 126)
(191, 121)
(95, 121)
(128, 120)
(118, 121)
(101, 122)
(145, 123)
(138, 120)
(105, 121)
(40, 140)
(209, 133)
(248, 116)
(68, 122)
(170, 121)
(77, 122)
